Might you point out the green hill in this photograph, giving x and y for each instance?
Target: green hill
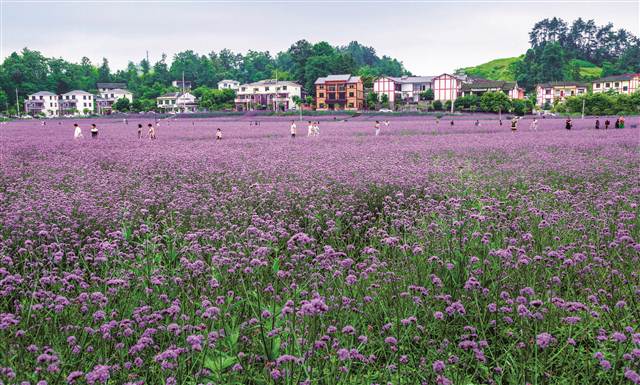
(502, 69)
(498, 69)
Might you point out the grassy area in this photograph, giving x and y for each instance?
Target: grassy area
(498, 69)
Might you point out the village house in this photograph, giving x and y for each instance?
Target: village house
(227, 84)
(173, 102)
(268, 94)
(339, 92)
(405, 89)
(76, 102)
(448, 87)
(42, 103)
(548, 93)
(480, 86)
(622, 84)
(108, 96)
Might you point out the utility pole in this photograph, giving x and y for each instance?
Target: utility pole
(17, 105)
(583, 100)
(148, 58)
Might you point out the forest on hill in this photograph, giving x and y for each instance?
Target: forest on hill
(30, 71)
(560, 51)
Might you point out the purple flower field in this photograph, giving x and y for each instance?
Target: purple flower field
(431, 254)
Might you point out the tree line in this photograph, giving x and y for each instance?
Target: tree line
(557, 47)
(29, 71)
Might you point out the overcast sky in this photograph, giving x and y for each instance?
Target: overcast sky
(428, 37)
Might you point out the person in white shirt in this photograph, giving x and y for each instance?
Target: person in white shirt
(377, 128)
(534, 124)
(77, 134)
(386, 123)
(310, 129)
(218, 134)
(293, 129)
(316, 129)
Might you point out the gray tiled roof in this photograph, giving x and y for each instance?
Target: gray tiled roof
(338, 78)
(616, 77)
(562, 84)
(43, 93)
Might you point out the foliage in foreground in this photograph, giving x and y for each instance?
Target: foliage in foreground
(460, 258)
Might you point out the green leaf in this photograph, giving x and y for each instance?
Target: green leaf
(218, 362)
(276, 266)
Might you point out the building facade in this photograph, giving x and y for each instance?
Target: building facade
(480, 86)
(227, 84)
(177, 102)
(548, 93)
(405, 89)
(76, 102)
(622, 84)
(267, 95)
(447, 86)
(339, 92)
(105, 100)
(42, 103)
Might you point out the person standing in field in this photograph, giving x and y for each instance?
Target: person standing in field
(139, 130)
(597, 124)
(293, 129)
(621, 118)
(94, 132)
(316, 128)
(534, 124)
(451, 122)
(77, 133)
(152, 132)
(477, 123)
(310, 129)
(606, 124)
(218, 134)
(514, 124)
(377, 126)
(386, 123)
(568, 124)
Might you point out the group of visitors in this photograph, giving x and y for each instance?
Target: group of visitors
(619, 123)
(77, 133)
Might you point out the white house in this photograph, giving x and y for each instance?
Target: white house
(186, 85)
(106, 99)
(177, 102)
(267, 94)
(402, 89)
(76, 102)
(227, 84)
(548, 93)
(447, 87)
(42, 103)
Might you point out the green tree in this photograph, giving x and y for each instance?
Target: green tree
(427, 95)
(494, 102)
(372, 100)
(122, 105)
(437, 105)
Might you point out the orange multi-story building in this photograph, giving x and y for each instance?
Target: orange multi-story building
(339, 92)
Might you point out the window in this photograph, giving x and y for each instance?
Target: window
(352, 86)
(607, 85)
(84, 97)
(50, 104)
(284, 88)
(321, 105)
(625, 88)
(617, 84)
(597, 85)
(266, 88)
(255, 90)
(350, 105)
(243, 88)
(573, 93)
(321, 95)
(332, 88)
(350, 94)
(547, 92)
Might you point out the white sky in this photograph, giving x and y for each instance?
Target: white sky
(429, 37)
